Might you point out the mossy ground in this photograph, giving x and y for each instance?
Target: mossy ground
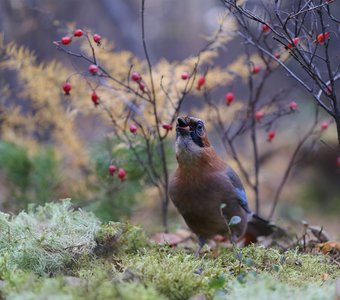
(65, 254)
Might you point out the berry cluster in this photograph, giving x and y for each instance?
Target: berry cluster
(66, 40)
(121, 172)
(136, 77)
(93, 69)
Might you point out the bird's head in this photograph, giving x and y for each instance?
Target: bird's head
(191, 138)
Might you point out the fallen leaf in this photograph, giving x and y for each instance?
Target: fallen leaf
(328, 246)
(324, 277)
(171, 239)
(184, 233)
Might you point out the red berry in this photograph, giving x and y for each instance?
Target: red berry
(135, 76)
(112, 169)
(185, 75)
(265, 28)
(97, 38)
(142, 86)
(133, 129)
(229, 98)
(293, 105)
(338, 161)
(66, 40)
(95, 98)
(200, 82)
(121, 174)
(295, 42)
(167, 126)
(277, 55)
(78, 33)
(324, 125)
(322, 37)
(256, 69)
(67, 88)
(259, 115)
(271, 135)
(93, 69)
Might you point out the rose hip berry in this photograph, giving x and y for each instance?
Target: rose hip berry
(112, 169)
(95, 98)
(324, 125)
(67, 88)
(135, 76)
(293, 105)
(185, 76)
(93, 69)
(133, 129)
(66, 40)
(259, 116)
(200, 82)
(265, 28)
(78, 33)
(256, 69)
(322, 37)
(167, 127)
(121, 174)
(271, 135)
(97, 38)
(295, 42)
(229, 98)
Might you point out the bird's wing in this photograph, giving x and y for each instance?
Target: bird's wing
(238, 189)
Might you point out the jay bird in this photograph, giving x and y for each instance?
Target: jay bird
(203, 186)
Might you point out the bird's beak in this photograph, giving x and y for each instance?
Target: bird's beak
(182, 126)
(182, 122)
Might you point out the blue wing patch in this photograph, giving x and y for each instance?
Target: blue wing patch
(242, 197)
(238, 189)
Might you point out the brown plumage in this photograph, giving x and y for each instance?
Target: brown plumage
(202, 182)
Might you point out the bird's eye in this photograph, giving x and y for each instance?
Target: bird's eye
(199, 127)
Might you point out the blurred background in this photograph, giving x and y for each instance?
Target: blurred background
(46, 166)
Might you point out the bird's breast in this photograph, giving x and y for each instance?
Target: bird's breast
(199, 203)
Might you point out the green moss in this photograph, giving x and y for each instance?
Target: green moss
(116, 261)
(97, 285)
(290, 266)
(265, 287)
(116, 237)
(172, 272)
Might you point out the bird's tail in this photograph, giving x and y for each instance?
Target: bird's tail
(257, 227)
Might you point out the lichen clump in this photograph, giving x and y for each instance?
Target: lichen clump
(46, 239)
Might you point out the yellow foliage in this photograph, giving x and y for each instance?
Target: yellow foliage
(43, 116)
(52, 117)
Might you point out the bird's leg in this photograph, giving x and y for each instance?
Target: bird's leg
(201, 242)
(233, 239)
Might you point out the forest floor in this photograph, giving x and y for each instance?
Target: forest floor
(55, 252)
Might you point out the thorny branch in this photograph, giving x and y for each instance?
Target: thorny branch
(152, 136)
(303, 31)
(287, 23)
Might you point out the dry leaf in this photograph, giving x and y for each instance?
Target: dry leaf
(328, 246)
(324, 276)
(171, 239)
